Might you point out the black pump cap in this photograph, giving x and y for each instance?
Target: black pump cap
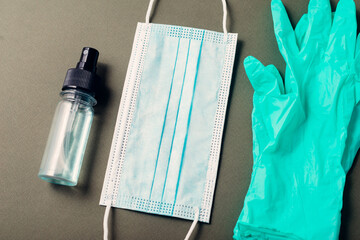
(84, 76)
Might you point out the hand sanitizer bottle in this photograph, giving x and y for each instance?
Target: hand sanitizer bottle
(70, 128)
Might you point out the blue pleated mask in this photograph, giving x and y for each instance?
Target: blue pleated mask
(166, 145)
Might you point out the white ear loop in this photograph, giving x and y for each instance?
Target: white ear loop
(224, 19)
(151, 3)
(106, 220)
(148, 12)
(196, 219)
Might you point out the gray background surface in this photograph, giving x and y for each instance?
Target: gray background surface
(40, 40)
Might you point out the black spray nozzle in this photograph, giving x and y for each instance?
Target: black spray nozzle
(83, 77)
(88, 59)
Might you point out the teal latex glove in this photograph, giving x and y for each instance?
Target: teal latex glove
(300, 130)
(352, 145)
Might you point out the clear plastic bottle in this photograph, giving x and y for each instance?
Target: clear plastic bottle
(71, 125)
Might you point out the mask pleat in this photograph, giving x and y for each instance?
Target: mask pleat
(200, 130)
(188, 121)
(149, 118)
(171, 121)
(167, 131)
(181, 129)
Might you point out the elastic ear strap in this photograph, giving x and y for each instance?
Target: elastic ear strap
(224, 16)
(106, 220)
(148, 13)
(196, 219)
(151, 3)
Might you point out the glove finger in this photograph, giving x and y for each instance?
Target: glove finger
(319, 25)
(263, 80)
(284, 32)
(357, 69)
(357, 48)
(357, 55)
(291, 84)
(300, 31)
(272, 69)
(352, 141)
(343, 32)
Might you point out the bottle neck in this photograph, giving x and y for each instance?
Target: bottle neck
(78, 95)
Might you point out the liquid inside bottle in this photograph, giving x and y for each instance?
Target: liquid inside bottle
(68, 137)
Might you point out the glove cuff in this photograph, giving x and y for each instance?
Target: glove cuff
(248, 232)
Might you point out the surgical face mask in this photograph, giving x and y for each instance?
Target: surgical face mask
(166, 145)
